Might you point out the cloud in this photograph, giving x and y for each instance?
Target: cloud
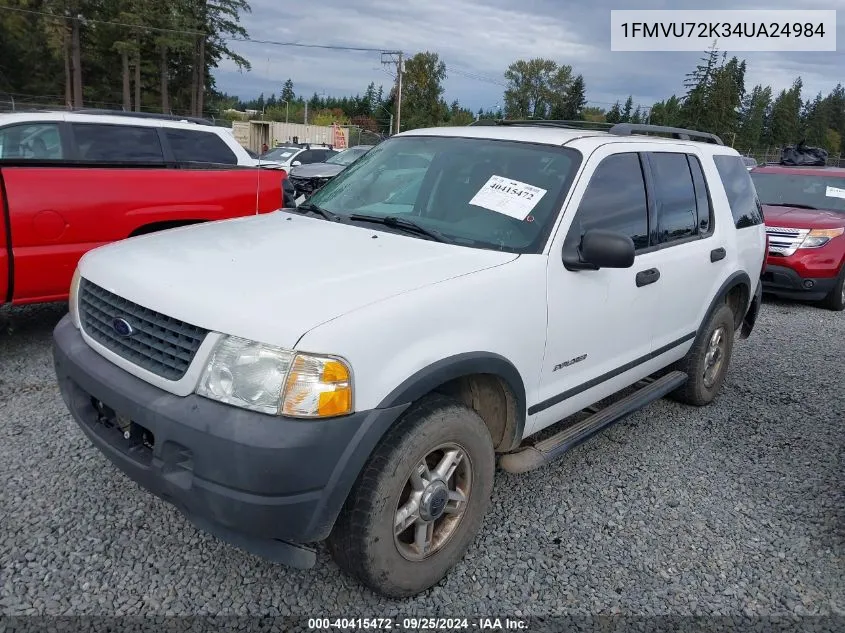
(478, 41)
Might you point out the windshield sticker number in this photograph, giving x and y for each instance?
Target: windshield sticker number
(509, 197)
(835, 192)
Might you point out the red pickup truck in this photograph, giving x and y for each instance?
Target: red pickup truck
(62, 195)
(804, 210)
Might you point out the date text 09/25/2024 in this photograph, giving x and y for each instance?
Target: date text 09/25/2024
(417, 624)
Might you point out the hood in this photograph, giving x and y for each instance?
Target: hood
(273, 277)
(317, 170)
(791, 217)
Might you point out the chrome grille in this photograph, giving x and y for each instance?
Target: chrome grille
(307, 186)
(160, 344)
(785, 241)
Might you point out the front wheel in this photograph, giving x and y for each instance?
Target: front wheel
(419, 502)
(706, 364)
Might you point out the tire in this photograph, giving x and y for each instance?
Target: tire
(363, 543)
(835, 300)
(700, 390)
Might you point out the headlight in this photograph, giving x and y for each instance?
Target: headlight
(276, 381)
(820, 237)
(73, 298)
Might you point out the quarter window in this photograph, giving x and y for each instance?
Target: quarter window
(742, 196)
(194, 146)
(117, 143)
(615, 200)
(35, 141)
(677, 214)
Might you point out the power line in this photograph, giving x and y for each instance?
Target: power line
(63, 18)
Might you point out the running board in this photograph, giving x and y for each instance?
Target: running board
(531, 457)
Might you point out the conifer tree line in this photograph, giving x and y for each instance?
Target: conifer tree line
(159, 55)
(140, 55)
(717, 100)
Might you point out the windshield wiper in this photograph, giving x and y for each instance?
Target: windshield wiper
(795, 205)
(409, 226)
(310, 207)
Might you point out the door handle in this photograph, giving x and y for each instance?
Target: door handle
(717, 254)
(647, 277)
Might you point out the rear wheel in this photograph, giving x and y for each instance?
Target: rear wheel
(706, 364)
(419, 502)
(836, 299)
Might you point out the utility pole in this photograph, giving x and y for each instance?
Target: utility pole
(395, 57)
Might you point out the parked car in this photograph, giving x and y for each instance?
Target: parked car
(750, 163)
(70, 182)
(289, 156)
(804, 209)
(530, 272)
(306, 179)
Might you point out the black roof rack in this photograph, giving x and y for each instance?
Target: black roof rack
(618, 129)
(143, 115)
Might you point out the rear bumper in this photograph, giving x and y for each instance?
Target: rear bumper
(786, 282)
(255, 480)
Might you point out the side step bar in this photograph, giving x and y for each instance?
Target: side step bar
(531, 457)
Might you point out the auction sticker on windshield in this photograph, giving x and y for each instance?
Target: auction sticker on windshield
(835, 192)
(509, 197)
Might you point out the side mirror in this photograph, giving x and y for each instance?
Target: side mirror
(296, 163)
(600, 249)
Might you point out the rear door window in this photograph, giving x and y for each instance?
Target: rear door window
(117, 143)
(674, 192)
(195, 146)
(31, 141)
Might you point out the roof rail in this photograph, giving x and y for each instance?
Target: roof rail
(564, 123)
(626, 129)
(618, 129)
(142, 115)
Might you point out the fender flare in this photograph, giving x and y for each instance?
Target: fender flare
(442, 371)
(739, 278)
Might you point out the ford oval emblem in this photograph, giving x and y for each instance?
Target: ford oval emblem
(122, 327)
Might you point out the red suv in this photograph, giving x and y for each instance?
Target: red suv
(804, 209)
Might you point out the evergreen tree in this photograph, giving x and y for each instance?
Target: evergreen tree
(614, 115)
(627, 109)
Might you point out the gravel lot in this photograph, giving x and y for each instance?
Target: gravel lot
(738, 508)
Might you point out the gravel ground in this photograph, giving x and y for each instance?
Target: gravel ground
(738, 508)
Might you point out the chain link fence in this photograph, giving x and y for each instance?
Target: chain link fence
(772, 155)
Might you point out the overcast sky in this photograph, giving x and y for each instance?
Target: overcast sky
(477, 41)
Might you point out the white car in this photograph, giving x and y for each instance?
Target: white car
(351, 369)
(110, 136)
(289, 156)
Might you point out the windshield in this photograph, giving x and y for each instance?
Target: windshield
(280, 153)
(347, 157)
(813, 190)
(502, 195)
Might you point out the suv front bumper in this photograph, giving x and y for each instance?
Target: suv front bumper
(786, 282)
(261, 482)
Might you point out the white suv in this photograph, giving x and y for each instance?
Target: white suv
(350, 369)
(113, 136)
